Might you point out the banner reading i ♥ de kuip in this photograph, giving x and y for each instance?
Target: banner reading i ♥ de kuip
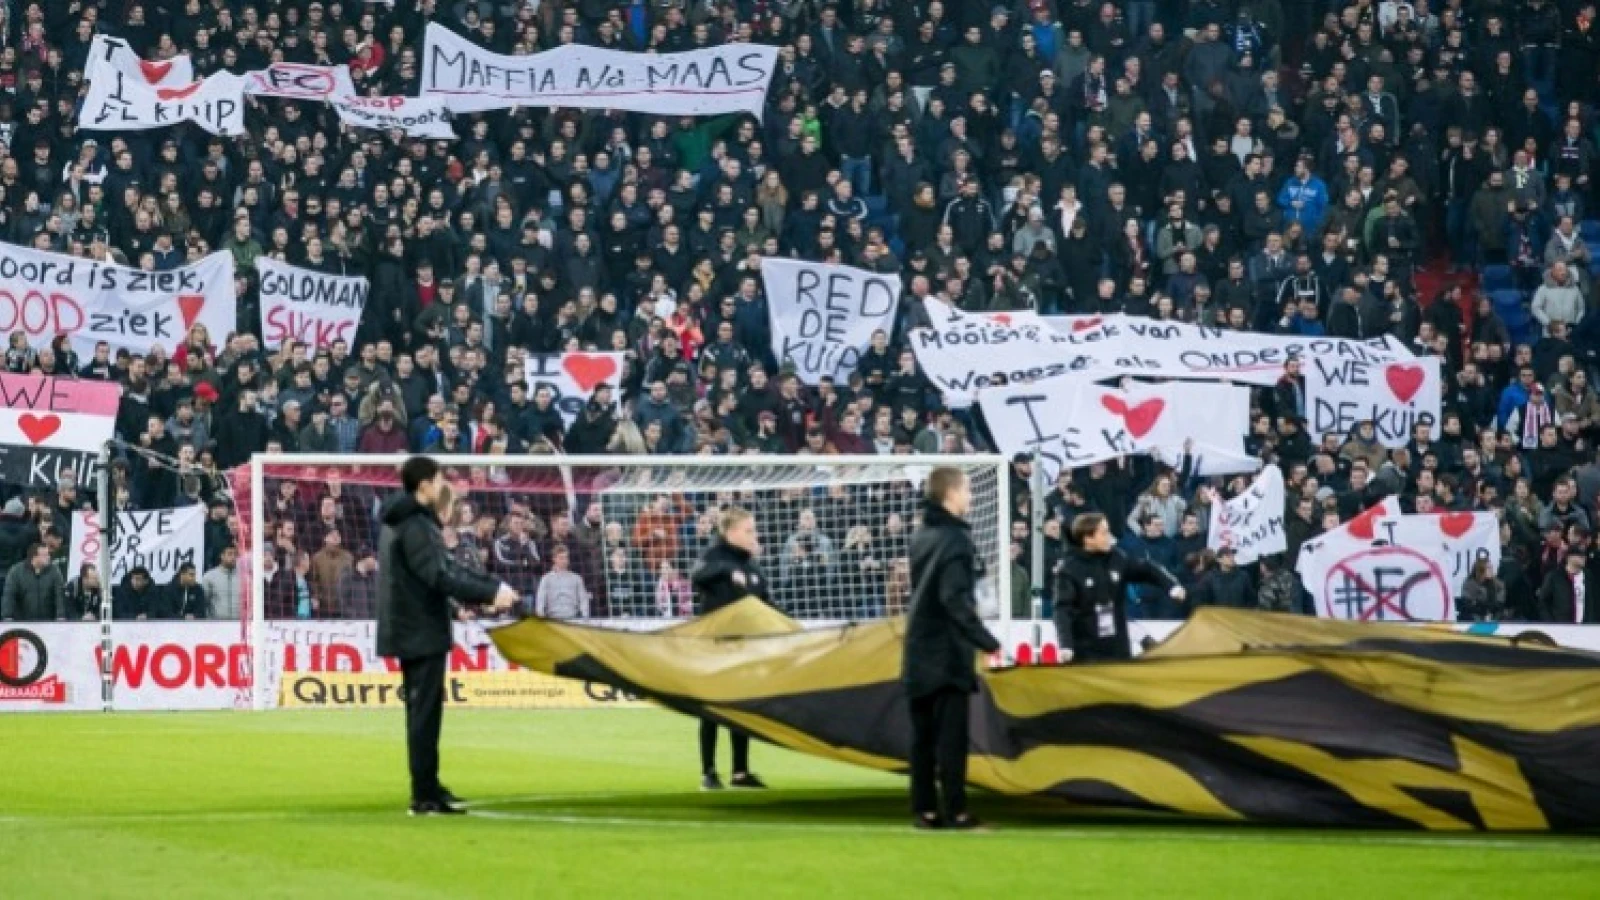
(118, 101)
(304, 305)
(44, 295)
(1072, 422)
(111, 54)
(49, 424)
(728, 78)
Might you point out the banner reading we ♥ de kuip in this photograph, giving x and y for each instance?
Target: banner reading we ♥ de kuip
(47, 294)
(48, 424)
(303, 305)
(1395, 397)
(728, 78)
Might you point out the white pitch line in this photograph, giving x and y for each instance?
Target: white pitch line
(1082, 833)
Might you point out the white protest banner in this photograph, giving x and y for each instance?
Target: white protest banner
(1150, 348)
(46, 294)
(1219, 449)
(1072, 422)
(1385, 566)
(572, 378)
(726, 79)
(48, 424)
(419, 117)
(303, 305)
(963, 353)
(823, 316)
(120, 102)
(1251, 524)
(299, 81)
(160, 540)
(1395, 397)
(111, 54)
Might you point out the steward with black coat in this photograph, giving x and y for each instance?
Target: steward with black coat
(726, 575)
(418, 578)
(1092, 601)
(943, 631)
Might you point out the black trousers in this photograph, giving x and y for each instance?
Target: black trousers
(423, 678)
(708, 749)
(939, 752)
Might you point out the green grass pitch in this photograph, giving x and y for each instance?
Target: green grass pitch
(604, 803)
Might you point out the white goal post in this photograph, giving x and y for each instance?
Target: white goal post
(616, 537)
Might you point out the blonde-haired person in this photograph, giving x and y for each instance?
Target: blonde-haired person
(728, 573)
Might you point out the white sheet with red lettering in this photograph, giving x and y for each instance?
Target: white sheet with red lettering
(308, 306)
(47, 294)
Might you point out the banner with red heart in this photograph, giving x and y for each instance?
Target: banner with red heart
(1395, 398)
(571, 379)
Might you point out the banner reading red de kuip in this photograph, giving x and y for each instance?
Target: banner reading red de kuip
(49, 424)
(44, 295)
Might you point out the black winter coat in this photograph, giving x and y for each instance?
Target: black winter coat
(1092, 601)
(943, 631)
(418, 577)
(725, 576)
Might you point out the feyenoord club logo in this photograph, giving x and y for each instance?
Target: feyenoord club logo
(23, 662)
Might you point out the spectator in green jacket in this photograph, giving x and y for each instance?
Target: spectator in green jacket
(34, 590)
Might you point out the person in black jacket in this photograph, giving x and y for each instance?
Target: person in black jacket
(1563, 598)
(417, 580)
(727, 574)
(1092, 593)
(185, 598)
(943, 636)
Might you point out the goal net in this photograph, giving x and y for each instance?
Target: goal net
(608, 539)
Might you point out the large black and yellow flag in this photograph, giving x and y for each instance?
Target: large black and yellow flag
(1242, 716)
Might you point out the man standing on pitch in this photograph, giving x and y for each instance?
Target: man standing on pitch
(943, 637)
(417, 579)
(727, 574)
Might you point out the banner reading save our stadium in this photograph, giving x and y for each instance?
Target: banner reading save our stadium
(724, 79)
(44, 295)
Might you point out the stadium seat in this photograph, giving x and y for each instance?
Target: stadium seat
(876, 205)
(1495, 278)
(1506, 299)
(1589, 230)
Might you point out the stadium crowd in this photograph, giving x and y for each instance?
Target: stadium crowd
(1292, 167)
